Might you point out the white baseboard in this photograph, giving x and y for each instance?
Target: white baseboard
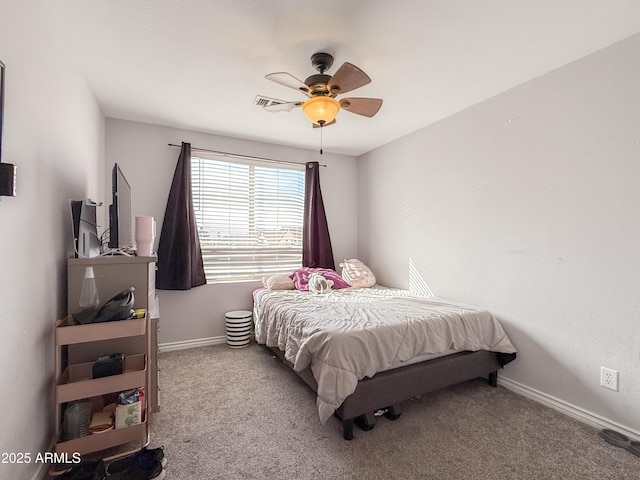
(198, 342)
(573, 411)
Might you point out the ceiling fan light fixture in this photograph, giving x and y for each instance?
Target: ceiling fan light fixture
(321, 110)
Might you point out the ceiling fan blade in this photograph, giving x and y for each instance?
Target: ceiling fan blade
(366, 107)
(347, 78)
(282, 107)
(288, 80)
(315, 125)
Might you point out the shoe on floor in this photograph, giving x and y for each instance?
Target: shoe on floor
(93, 470)
(146, 464)
(152, 471)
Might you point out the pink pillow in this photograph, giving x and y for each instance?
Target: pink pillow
(300, 278)
(357, 274)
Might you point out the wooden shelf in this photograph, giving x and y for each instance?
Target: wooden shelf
(67, 333)
(103, 440)
(76, 383)
(78, 347)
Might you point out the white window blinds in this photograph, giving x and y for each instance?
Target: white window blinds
(249, 218)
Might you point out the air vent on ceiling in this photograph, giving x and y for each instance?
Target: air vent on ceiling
(261, 101)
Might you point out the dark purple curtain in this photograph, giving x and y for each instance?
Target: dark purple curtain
(316, 243)
(180, 264)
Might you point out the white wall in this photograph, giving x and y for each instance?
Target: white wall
(528, 204)
(54, 133)
(149, 164)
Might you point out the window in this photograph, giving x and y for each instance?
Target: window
(249, 218)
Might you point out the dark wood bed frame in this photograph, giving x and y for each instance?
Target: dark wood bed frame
(383, 393)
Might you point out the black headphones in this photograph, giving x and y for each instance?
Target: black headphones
(119, 307)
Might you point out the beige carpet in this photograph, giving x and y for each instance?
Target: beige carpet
(240, 414)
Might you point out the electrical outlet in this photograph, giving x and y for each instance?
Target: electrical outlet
(609, 378)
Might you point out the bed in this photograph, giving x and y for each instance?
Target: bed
(366, 350)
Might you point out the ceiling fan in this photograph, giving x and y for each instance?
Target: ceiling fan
(322, 106)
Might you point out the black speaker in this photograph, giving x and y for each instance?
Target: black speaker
(85, 232)
(7, 179)
(108, 365)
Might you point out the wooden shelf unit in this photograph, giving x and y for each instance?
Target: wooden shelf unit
(77, 347)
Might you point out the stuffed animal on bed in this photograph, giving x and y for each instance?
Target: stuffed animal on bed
(319, 284)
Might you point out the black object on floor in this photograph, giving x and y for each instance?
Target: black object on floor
(93, 470)
(620, 440)
(145, 464)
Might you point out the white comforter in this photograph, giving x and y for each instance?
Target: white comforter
(353, 333)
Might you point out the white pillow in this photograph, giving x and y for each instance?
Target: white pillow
(357, 274)
(278, 282)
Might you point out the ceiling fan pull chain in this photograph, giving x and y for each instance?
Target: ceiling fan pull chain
(321, 137)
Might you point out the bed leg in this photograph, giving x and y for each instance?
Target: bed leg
(347, 429)
(493, 379)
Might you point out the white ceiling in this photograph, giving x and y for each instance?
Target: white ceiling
(199, 64)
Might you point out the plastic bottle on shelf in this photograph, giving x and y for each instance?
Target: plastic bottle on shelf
(89, 292)
(77, 418)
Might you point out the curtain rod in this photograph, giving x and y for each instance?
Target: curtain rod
(241, 157)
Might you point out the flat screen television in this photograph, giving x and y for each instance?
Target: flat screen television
(120, 223)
